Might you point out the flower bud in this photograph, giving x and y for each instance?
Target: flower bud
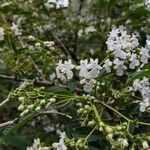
(53, 100)
(79, 111)
(110, 136)
(21, 107)
(101, 129)
(87, 107)
(21, 98)
(108, 129)
(101, 124)
(145, 145)
(38, 108)
(31, 106)
(43, 101)
(125, 143)
(91, 123)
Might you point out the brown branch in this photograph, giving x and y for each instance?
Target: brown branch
(13, 78)
(36, 82)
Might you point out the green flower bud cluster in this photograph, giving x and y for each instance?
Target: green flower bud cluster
(28, 105)
(83, 109)
(77, 144)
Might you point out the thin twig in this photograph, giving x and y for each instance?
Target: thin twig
(5, 101)
(37, 68)
(57, 113)
(36, 82)
(2, 125)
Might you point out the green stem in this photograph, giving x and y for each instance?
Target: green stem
(90, 134)
(117, 112)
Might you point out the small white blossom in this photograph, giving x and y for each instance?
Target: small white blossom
(107, 65)
(1, 34)
(61, 145)
(119, 67)
(64, 71)
(134, 61)
(89, 72)
(144, 56)
(56, 3)
(143, 86)
(15, 29)
(37, 146)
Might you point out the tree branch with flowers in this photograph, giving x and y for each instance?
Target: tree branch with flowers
(74, 75)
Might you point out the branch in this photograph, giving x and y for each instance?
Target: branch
(57, 113)
(37, 68)
(5, 101)
(36, 82)
(2, 125)
(13, 78)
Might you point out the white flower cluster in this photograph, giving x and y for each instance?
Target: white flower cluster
(64, 71)
(87, 71)
(124, 48)
(37, 146)
(1, 34)
(143, 86)
(61, 145)
(56, 3)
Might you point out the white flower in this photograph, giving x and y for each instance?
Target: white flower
(88, 84)
(64, 71)
(120, 40)
(120, 54)
(15, 29)
(144, 56)
(88, 71)
(107, 65)
(59, 3)
(119, 67)
(62, 3)
(37, 146)
(143, 86)
(1, 34)
(61, 145)
(80, 32)
(134, 61)
(145, 145)
(83, 67)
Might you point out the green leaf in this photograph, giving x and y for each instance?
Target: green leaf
(72, 85)
(14, 128)
(138, 75)
(99, 145)
(83, 132)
